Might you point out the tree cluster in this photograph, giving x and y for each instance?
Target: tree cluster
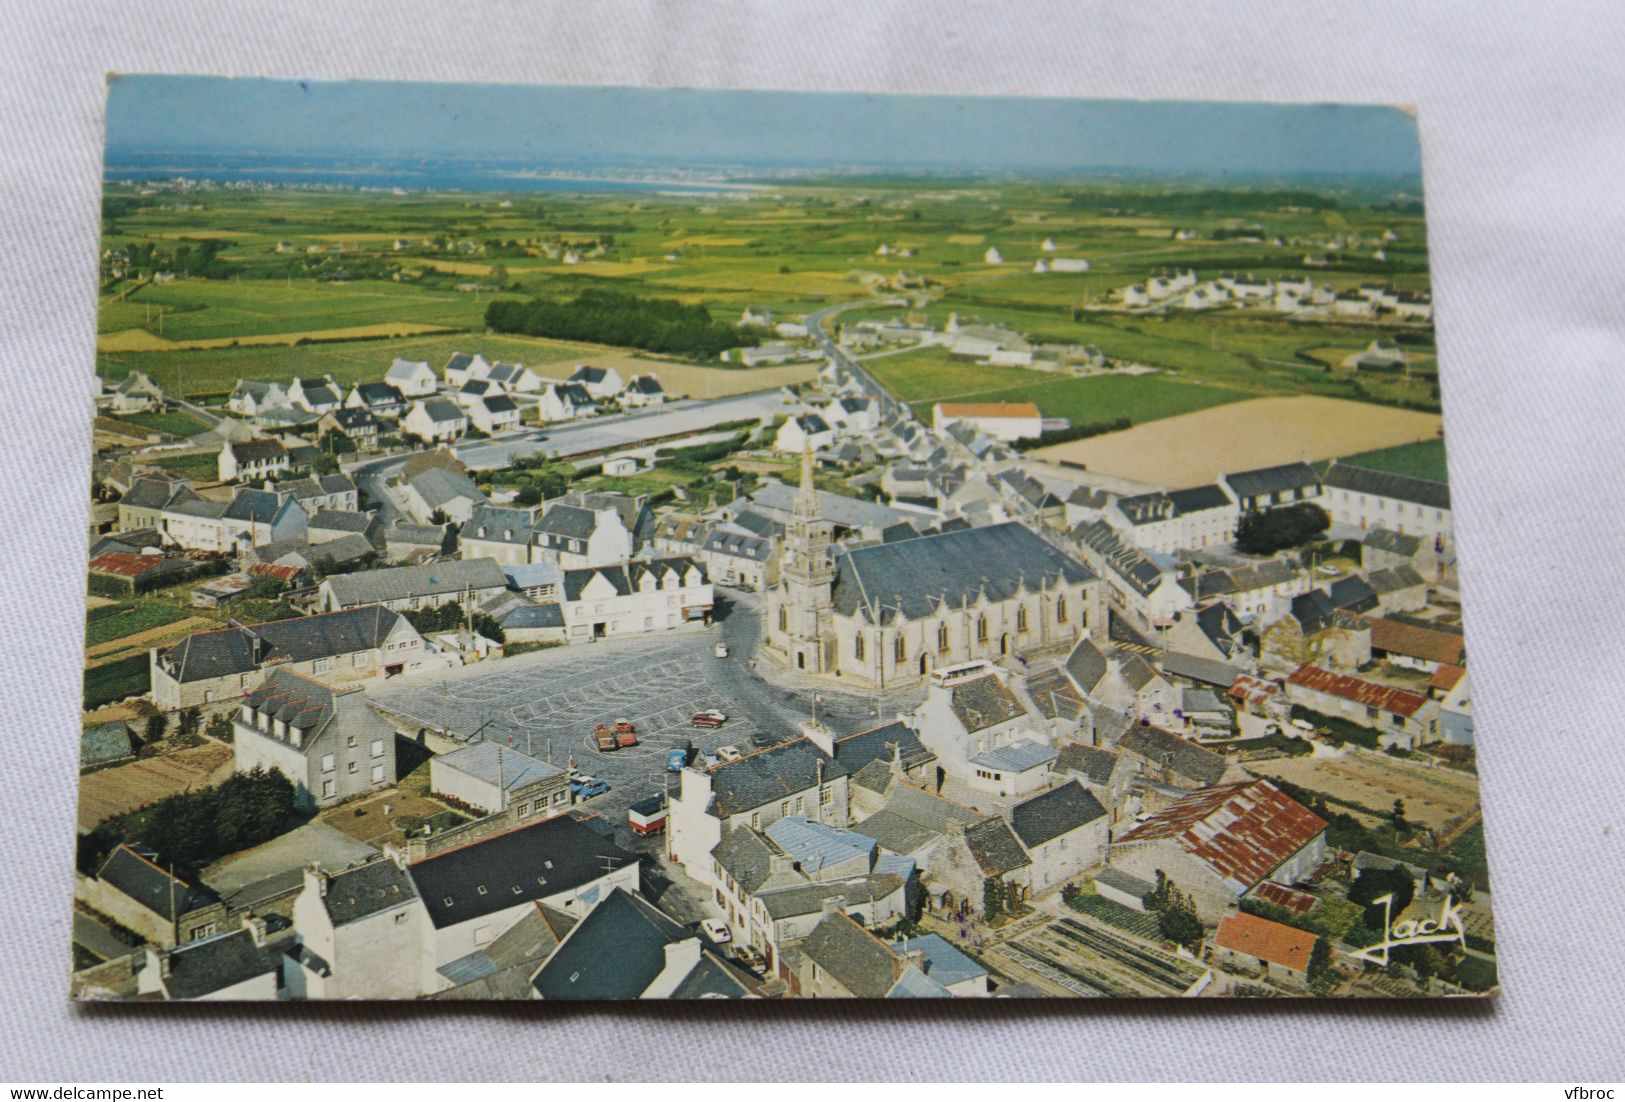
(1175, 911)
(617, 318)
(1268, 531)
(193, 829)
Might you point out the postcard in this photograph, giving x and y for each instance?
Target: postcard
(610, 543)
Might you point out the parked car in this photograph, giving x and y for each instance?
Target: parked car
(625, 733)
(721, 650)
(604, 736)
(676, 759)
(587, 787)
(762, 742)
(709, 718)
(716, 930)
(728, 753)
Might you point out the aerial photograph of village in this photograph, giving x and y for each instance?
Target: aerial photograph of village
(591, 543)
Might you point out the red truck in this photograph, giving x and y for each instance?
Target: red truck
(625, 733)
(604, 735)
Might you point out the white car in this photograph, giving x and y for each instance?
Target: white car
(716, 930)
(728, 753)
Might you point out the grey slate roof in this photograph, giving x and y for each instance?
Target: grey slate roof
(1094, 763)
(438, 486)
(951, 567)
(1272, 480)
(433, 579)
(568, 522)
(747, 856)
(540, 860)
(1051, 814)
(1196, 668)
(770, 775)
(629, 577)
(613, 953)
(1395, 579)
(490, 760)
(984, 702)
(857, 895)
(382, 394)
(210, 654)
(1380, 539)
(912, 818)
(200, 968)
(359, 893)
(1164, 748)
(1124, 559)
(1353, 594)
(855, 751)
(994, 847)
(443, 410)
(498, 524)
(1114, 877)
(1399, 487)
(134, 873)
(340, 520)
(857, 959)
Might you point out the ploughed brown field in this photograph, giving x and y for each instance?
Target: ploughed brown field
(1195, 448)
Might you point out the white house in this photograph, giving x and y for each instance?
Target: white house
(462, 367)
(803, 431)
(1001, 420)
(565, 402)
(852, 414)
(361, 933)
(601, 382)
(324, 739)
(315, 395)
(643, 390)
(441, 490)
(1359, 496)
(413, 378)
(1179, 520)
(634, 597)
(252, 460)
(251, 398)
(575, 535)
(515, 378)
(494, 414)
(436, 420)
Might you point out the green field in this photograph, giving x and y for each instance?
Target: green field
(439, 259)
(174, 422)
(926, 377)
(110, 622)
(117, 680)
(1423, 459)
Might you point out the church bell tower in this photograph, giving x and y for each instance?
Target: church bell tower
(808, 578)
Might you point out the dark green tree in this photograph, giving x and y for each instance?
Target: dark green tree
(993, 897)
(1372, 884)
(157, 724)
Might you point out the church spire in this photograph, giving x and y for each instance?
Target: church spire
(807, 496)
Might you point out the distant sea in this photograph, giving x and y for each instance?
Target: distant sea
(410, 174)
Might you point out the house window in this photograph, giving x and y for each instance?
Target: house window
(355, 767)
(377, 774)
(377, 747)
(327, 789)
(784, 807)
(784, 619)
(799, 804)
(203, 931)
(327, 763)
(350, 742)
(756, 820)
(1371, 713)
(826, 796)
(322, 665)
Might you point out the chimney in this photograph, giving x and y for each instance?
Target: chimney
(316, 879)
(819, 736)
(681, 959)
(255, 925)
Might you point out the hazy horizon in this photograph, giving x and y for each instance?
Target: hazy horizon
(804, 133)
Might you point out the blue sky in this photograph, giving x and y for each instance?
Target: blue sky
(153, 114)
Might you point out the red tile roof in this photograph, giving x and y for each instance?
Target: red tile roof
(1252, 690)
(1278, 944)
(1300, 903)
(1417, 641)
(1445, 677)
(125, 563)
(1242, 831)
(1369, 693)
(272, 570)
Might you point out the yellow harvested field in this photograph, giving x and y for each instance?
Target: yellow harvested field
(762, 282)
(712, 239)
(1438, 798)
(356, 236)
(125, 788)
(203, 235)
(609, 268)
(1195, 448)
(454, 267)
(139, 340)
(965, 238)
(684, 380)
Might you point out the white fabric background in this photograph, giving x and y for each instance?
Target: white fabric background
(1523, 128)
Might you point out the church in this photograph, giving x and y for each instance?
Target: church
(884, 616)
